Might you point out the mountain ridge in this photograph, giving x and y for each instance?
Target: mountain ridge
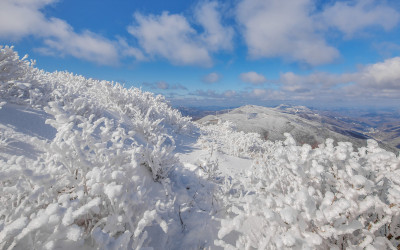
(305, 125)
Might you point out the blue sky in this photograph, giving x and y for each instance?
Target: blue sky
(223, 53)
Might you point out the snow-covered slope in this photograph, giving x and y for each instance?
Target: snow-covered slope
(87, 164)
(381, 125)
(273, 123)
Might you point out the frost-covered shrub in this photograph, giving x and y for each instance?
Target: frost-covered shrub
(102, 182)
(20, 83)
(224, 138)
(69, 199)
(329, 197)
(15, 75)
(12, 68)
(159, 158)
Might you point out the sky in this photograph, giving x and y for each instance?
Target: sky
(220, 53)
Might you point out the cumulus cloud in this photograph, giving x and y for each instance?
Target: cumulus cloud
(275, 28)
(377, 80)
(215, 36)
(319, 80)
(169, 36)
(353, 16)
(129, 51)
(21, 18)
(211, 78)
(87, 46)
(295, 29)
(383, 75)
(172, 37)
(253, 78)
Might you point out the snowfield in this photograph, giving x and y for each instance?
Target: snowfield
(88, 164)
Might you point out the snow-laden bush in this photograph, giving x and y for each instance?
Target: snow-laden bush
(328, 197)
(16, 76)
(222, 137)
(20, 83)
(102, 182)
(80, 194)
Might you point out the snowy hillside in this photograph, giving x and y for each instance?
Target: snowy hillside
(299, 121)
(87, 164)
(382, 125)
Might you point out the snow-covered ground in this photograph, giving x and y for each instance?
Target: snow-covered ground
(88, 164)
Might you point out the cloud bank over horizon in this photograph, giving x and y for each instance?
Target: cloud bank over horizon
(379, 81)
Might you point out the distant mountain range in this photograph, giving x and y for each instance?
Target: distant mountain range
(313, 126)
(381, 125)
(199, 112)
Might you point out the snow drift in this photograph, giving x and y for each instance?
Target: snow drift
(105, 167)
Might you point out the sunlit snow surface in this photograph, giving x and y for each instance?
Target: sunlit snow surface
(20, 126)
(87, 164)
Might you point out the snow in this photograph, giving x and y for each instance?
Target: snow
(88, 164)
(272, 123)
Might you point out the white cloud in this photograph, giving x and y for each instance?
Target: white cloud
(319, 80)
(374, 84)
(381, 76)
(294, 29)
(212, 78)
(379, 80)
(129, 51)
(275, 28)
(22, 18)
(215, 35)
(87, 46)
(253, 78)
(170, 37)
(353, 16)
